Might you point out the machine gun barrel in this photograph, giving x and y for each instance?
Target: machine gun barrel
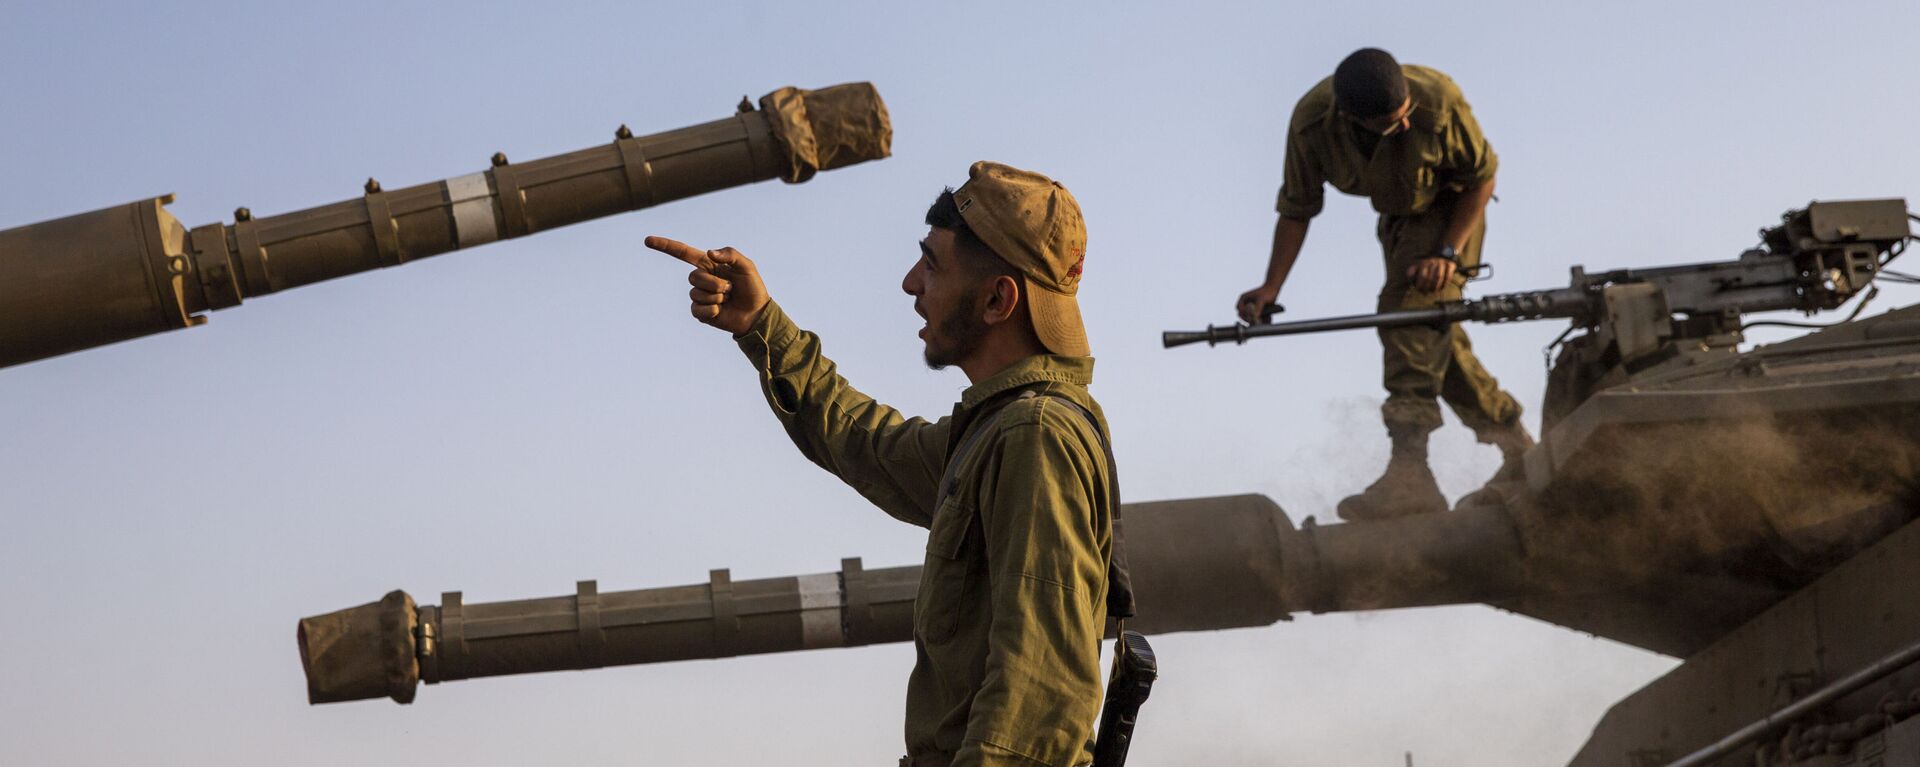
(132, 270)
(1239, 333)
(1506, 307)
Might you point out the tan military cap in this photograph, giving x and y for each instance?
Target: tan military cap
(1033, 223)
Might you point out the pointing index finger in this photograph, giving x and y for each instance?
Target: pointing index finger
(680, 250)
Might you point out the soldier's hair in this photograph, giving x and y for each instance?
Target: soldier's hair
(1369, 83)
(945, 214)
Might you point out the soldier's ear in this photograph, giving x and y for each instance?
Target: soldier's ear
(1003, 298)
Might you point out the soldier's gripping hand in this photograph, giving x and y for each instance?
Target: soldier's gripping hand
(1431, 274)
(727, 291)
(1252, 302)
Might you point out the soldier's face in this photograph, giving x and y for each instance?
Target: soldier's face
(943, 289)
(1388, 124)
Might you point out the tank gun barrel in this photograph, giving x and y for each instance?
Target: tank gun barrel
(1198, 565)
(132, 270)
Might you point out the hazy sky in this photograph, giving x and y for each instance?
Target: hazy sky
(509, 420)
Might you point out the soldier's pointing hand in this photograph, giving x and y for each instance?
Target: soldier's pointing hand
(727, 291)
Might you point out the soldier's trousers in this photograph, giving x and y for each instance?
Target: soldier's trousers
(1421, 364)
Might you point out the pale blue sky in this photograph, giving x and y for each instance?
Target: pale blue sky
(512, 419)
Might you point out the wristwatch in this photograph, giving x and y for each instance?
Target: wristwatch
(1447, 252)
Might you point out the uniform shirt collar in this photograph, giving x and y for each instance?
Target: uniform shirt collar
(1038, 368)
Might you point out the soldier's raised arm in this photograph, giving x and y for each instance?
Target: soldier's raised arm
(890, 459)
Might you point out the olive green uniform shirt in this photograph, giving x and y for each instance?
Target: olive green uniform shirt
(1012, 602)
(1443, 149)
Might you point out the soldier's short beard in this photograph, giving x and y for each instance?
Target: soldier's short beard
(955, 336)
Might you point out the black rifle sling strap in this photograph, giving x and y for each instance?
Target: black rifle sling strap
(950, 479)
(1120, 604)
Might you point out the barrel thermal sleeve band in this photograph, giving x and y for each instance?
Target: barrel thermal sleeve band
(639, 172)
(857, 617)
(471, 201)
(386, 231)
(726, 615)
(513, 203)
(453, 637)
(592, 640)
(820, 602)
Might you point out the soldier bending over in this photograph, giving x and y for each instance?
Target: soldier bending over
(1402, 136)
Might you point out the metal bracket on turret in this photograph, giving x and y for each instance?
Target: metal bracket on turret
(755, 131)
(638, 169)
(726, 615)
(386, 230)
(513, 202)
(592, 640)
(252, 257)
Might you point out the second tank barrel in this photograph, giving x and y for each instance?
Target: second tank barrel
(1198, 564)
(717, 619)
(133, 270)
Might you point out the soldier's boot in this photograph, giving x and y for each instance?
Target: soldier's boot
(1406, 488)
(1513, 441)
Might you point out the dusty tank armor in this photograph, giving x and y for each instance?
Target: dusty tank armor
(1750, 511)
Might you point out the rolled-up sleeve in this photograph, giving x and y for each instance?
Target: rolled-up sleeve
(1303, 186)
(1470, 161)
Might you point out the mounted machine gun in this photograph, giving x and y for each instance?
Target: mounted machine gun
(1818, 258)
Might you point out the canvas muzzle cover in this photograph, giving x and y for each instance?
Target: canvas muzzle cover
(361, 652)
(829, 128)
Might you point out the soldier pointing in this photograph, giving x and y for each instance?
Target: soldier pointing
(1403, 137)
(1016, 487)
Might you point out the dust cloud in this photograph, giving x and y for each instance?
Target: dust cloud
(1775, 500)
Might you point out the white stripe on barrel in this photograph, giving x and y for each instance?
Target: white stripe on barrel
(472, 199)
(820, 603)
